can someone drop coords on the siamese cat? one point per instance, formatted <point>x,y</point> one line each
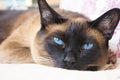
<point>59,38</point>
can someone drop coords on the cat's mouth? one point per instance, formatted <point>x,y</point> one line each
<point>88,68</point>
<point>92,68</point>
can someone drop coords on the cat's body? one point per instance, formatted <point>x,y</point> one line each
<point>69,41</point>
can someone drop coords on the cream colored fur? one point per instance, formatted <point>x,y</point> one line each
<point>16,48</point>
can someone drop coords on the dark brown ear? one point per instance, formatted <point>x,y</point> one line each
<point>107,22</point>
<point>48,15</point>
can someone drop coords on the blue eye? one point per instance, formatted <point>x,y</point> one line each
<point>88,46</point>
<point>58,41</point>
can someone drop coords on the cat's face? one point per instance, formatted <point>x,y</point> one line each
<point>78,46</point>
<point>74,43</point>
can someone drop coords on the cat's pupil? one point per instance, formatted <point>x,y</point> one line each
<point>88,46</point>
<point>58,41</point>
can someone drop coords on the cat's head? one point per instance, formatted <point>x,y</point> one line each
<point>73,43</point>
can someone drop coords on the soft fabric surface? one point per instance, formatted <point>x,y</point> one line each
<point>39,72</point>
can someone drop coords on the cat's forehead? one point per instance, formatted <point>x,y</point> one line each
<point>77,26</point>
<point>69,26</point>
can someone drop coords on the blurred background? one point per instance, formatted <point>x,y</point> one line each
<point>23,4</point>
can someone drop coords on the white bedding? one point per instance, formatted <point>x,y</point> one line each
<point>39,72</point>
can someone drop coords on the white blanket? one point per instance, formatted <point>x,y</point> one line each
<point>39,72</point>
